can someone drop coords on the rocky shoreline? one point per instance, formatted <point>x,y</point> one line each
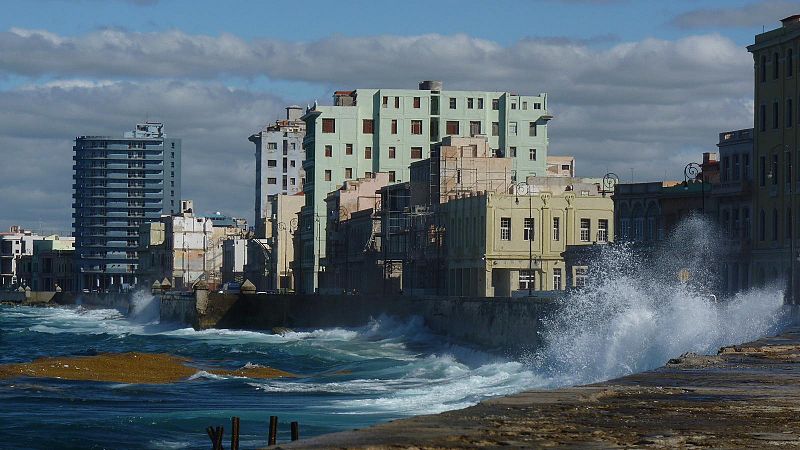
<point>745,396</point>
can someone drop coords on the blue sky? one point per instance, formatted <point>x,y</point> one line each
<point>636,87</point>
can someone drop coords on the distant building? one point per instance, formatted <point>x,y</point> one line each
<point>15,245</point>
<point>735,207</point>
<point>52,264</point>
<point>560,166</point>
<point>269,260</point>
<point>120,183</point>
<point>234,260</point>
<point>503,245</point>
<point>279,162</point>
<point>367,131</point>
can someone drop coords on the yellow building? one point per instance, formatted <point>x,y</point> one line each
<point>776,81</point>
<point>502,245</point>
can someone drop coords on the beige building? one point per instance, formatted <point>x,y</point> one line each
<point>269,260</point>
<point>560,166</point>
<point>775,53</point>
<point>502,245</point>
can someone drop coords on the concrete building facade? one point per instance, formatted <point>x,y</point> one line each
<point>15,245</point>
<point>279,163</point>
<point>503,245</point>
<point>119,184</point>
<point>384,130</point>
<point>775,139</point>
<point>53,264</point>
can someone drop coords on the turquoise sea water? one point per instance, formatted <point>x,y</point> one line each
<point>349,378</point>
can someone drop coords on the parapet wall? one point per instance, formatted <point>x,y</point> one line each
<point>508,325</point>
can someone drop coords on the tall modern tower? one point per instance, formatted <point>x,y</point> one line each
<point>120,182</point>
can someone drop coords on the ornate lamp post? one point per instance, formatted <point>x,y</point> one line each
<point>692,170</point>
<point>610,180</point>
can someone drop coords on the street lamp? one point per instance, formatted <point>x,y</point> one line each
<point>692,170</point>
<point>610,181</point>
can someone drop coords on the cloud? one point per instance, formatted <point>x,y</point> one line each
<point>764,12</point>
<point>652,104</point>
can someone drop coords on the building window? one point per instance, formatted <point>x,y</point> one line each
<point>452,127</point>
<point>745,166</point>
<point>367,126</point>
<point>496,104</point>
<point>348,149</point>
<point>532,129</point>
<point>470,103</point>
<point>368,175</point>
<point>474,127</point>
<point>763,68</point>
<point>762,225</point>
<point>328,126</point>
<point>293,181</point>
<point>526,278</point>
<point>328,151</point>
<point>397,102</point>
<point>385,102</point>
<point>580,277</point>
<point>789,111</point>
<point>556,228</point>
<point>532,154</point>
<point>394,126</point>
<point>392,153</point>
<point>775,118</point>
<point>586,230</point>
<point>416,127</point>
<point>293,163</point>
<point>417,102</point>
<point>480,103</point>
<point>736,169</point>
<point>392,176</point>
<point>789,63</point>
<point>512,128</point>
<point>274,145</point>
<point>746,222</point>
<point>348,173</point>
<point>775,66</point>
<point>495,128</point>
<point>367,152</point>
<point>524,106</point>
<point>272,163</point>
<point>557,279</point>
<point>726,169</point>
<point>416,152</point>
<point>513,105</point>
<point>762,118</point>
<point>327,175</point>
<point>602,230</point>
<point>452,103</point>
<point>272,181</point>
<point>762,175</point>
<point>505,228</point>
<point>528,231</point>
<point>512,152</point>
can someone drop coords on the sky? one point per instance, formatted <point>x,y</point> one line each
<point>639,88</point>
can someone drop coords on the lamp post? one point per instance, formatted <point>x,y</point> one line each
<point>283,227</point>
<point>343,212</point>
<point>692,170</point>
<point>610,181</point>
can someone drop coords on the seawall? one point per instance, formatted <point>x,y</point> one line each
<point>118,301</point>
<point>506,325</point>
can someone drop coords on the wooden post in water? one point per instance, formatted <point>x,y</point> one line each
<point>273,430</point>
<point>295,431</point>
<point>234,433</point>
<point>215,434</point>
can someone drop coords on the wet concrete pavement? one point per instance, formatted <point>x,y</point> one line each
<point>745,396</point>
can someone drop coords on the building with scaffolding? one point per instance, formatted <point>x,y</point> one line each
<point>385,130</point>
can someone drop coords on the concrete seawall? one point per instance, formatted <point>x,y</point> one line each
<point>506,325</point>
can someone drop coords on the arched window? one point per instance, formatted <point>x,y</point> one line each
<point>774,224</point>
<point>789,110</point>
<point>775,66</point>
<point>763,74</point>
<point>762,225</point>
<point>789,63</point>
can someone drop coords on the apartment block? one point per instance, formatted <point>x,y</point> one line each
<point>119,184</point>
<point>279,162</point>
<point>775,137</point>
<point>367,131</point>
<point>15,246</point>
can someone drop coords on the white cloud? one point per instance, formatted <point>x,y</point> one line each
<point>652,104</point>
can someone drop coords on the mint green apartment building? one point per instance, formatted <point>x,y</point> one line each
<point>384,130</point>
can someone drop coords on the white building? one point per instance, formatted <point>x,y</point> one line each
<point>14,245</point>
